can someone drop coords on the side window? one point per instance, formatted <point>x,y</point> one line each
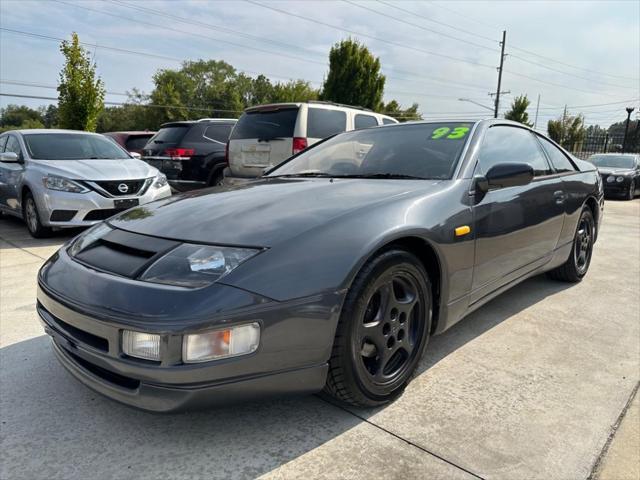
<point>136,143</point>
<point>13,145</point>
<point>512,144</point>
<point>387,121</point>
<point>322,123</point>
<point>364,121</point>
<point>558,159</point>
<point>3,141</point>
<point>219,133</point>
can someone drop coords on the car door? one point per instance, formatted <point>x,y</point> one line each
<point>11,174</point>
<point>516,228</point>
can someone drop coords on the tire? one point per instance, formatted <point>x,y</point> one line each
<point>217,178</point>
<point>632,190</point>
<point>31,217</point>
<point>382,332</point>
<point>577,265</point>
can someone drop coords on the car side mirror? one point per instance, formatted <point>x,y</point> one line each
<point>135,155</point>
<point>503,175</point>
<point>9,157</point>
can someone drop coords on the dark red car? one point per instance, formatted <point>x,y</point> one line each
<point>131,141</point>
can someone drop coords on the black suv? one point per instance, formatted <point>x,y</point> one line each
<point>191,153</point>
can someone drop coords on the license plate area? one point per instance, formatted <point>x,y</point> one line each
<point>256,155</point>
<point>126,203</point>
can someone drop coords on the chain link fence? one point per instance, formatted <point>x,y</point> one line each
<point>604,143</point>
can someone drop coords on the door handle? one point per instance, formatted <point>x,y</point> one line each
<point>559,196</point>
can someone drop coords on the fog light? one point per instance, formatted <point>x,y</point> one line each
<point>141,345</point>
<point>240,340</point>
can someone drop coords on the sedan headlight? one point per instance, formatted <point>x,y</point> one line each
<point>196,266</point>
<point>141,345</point>
<point>160,181</point>
<point>620,179</point>
<point>88,238</point>
<point>611,179</point>
<point>53,182</point>
<point>231,342</point>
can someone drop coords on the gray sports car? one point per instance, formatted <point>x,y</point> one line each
<point>330,272</point>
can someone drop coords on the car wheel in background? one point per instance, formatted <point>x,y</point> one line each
<point>577,265</point>
<point>382,332</point>
<point>31,217</point>
<point>217,178</point>
<point>632,190</point>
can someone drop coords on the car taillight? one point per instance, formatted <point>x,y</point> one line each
<point>226,153</point>
<point>180,152</point>
<point>299,144</point>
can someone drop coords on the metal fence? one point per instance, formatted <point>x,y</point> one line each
<point>604,144</point>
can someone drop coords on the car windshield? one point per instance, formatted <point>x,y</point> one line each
<point>72,146</point>
<point>613,161</point>
<point>421,150</point>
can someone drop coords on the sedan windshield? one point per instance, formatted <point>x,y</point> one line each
<point>72,146</point>
<point>420,150</point>
<point>613,161</point>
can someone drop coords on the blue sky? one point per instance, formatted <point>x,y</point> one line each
<point>432,52</point>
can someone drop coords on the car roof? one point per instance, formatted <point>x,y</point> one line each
<point>132,132</point>
<point>38,131</point>
<point>188,123</point>
<point>267,106</point>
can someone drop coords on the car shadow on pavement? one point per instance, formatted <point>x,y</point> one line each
<point>14,232</point>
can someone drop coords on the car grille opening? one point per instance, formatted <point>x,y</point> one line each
<point>102,214</point>
<point>107,375</point>
<point>121,188</point>
<point>62,215</point>
<point>75,333</point>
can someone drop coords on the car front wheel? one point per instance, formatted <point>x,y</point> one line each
<point>382,332</point>
<point>32,218</point>
<point>632,190</point>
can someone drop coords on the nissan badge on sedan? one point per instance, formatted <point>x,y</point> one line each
<point>329,273</point>
<point>64,178</point>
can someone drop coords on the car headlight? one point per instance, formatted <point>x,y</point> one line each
<point>160,181</point>
<point>53,182</point>
<point>611,179</point>
<point>215,344</point>
<point>196,266</point>
<point>88,238</point>
<point>620,179</point>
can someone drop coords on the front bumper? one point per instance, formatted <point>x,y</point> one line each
<point>295,345</point>
<point>90,208</point>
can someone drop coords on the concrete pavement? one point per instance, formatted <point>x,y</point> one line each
<point>531,386</point>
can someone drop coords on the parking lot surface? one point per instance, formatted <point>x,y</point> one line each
<point>533,385</point>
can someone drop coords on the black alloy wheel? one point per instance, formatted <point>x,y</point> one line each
<point>577,265</point>
<point>382,332</point>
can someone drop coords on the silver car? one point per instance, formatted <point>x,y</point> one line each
<point>66,178</point>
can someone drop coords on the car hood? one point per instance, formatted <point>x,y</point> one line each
<point>121,169</point>
<point>261,213</point>
<point>617,171</point>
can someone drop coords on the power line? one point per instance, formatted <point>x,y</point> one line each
<point>558,84</point>
<point>372,37</point>
<point>386,15</point>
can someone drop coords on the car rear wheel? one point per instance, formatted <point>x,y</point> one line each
<point>217,178</point>
<point>382,332</point>
<point>577,265</point>
<point>32,218</point>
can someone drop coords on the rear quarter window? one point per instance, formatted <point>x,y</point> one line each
<point>388,121</point>
<point>137,142</point>
<point>322,123</point>
<point>364,121</point>
<point>218,133</point>
<point>266,124</point>
<point>172,134</point>
<point>558,159</point>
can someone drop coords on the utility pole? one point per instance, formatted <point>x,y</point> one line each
<point>535,122</point>
<point>504,39</point>
<point>626,128</point>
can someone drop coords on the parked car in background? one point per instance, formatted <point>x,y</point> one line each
<point>267,135</point>
<point>620,173</point>
<point>132,142</point>
<point>330,272</point>
<point>66,178</point>
<point>190,153</point>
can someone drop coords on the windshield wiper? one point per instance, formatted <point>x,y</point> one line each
<point>158,141</point>
<point>383,175</point>
<point>302,174</point>
<point>268,139</point>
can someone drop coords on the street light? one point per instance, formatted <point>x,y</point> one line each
<point>626,128</point>
<point>476,103</point>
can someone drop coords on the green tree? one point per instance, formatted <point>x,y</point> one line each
<point>14,117</point>
<point>354,76</point>
<point>80,91</point>
<point>393,109</point>
<point>568,131</point>
<point>518,112</point>
<point>50,116</point>
<point>293,91</point>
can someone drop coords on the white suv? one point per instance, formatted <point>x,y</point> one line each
<point>267,135</point>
